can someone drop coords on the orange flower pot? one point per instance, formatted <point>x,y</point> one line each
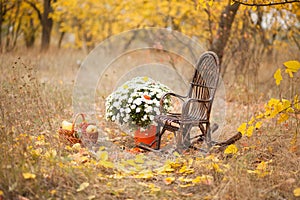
<point>146,136</point>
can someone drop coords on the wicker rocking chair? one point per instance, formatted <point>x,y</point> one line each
<point>196,107</point>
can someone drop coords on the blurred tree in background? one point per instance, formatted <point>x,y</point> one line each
<point>244,29</point>
<point>25,19</point>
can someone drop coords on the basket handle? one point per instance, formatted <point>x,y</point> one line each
<point>75,119</point>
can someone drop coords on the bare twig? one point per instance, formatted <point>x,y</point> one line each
<point>266,4</point>
<point>32,4</point>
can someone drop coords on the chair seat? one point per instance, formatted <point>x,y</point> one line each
<point>176,118</point>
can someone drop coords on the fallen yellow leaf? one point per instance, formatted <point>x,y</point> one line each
<point>83,186</point>
<point>53,192</point>
<point>154,188</point>
<point>186,180</point>
<point>278,77</point>
<point>186,170</point>
<point>76,147</point>
<point>291,67</point>
<point>91,197</point>
<point>169,180</point>
<point>251,171</point>
<point>146,174</point>
<point>29,175</point>
<point>261,169</point>
<point>205,179</point>
<point>216,167</point>
<point>242,128</point>
<point>186,185</point>
<point>258,125</point>
<point>231,149</point>
<point>249,131</point>
<point>139,159</point>
<point>297,192</point>
<point>102,155</point>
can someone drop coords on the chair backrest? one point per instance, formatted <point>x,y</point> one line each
<point>204,84</point>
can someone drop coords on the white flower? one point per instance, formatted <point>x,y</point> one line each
<point>136,102</point>
<point>159,95</point>
<point>148,109</point>
<point>133,106</point>
<point>116,104</point>
<point>156,110</point>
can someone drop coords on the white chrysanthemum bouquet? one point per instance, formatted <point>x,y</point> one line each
<point>136,102</point>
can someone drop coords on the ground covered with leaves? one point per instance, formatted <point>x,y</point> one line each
<point>35,164</point>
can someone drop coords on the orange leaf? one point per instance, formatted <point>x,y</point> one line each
<point>169,180</point>
<point>147,97</point>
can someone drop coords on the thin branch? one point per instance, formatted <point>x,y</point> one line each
<point>210,39</point>
<point>7,9</point>
<point>36,9</point>
<point>266,4</point>
<point>296,42</point>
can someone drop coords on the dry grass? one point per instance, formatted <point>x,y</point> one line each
<point>36,91</point>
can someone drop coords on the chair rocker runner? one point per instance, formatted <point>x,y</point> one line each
<point>196,107</point>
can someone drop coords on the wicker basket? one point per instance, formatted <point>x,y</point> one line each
<point>71,136</point>
<point>78,133</point>
<point>89,137</point>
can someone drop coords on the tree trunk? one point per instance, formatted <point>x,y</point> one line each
<point>3,10</point>
<point>62,34</point>
<point>47,24</point>
<point>223,33</point>
<point>1,19</point>
<point>29,35</point>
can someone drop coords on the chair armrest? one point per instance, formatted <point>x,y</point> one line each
<point>162,99</point>
<point>190,100</point>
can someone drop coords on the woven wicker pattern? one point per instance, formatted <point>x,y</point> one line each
<point>68,137</point>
